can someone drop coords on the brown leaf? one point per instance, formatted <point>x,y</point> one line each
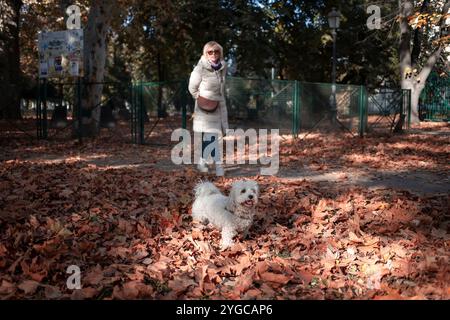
<point>121,252</point>
<point>392,296</point>
<point>252,294</point>
<point>3,250</point>
<point>181,284</point>
<point>275,277</point>
<point>7,288</point>
<point>261,267</point>
<point>354,238</point>
<point>200,275</point>
<point>305,276</point>
<point>29,286</point>
<point>52,292</point>
<point>36,276</point>
<point>94,277</point>
<point>131,290</point>
<point>159,268</point>
<point>84,293</point>
<point>243,264</point>
<point>245,281</point>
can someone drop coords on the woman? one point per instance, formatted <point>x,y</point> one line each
<point>207,86</point>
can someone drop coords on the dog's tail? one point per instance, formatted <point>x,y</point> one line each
<point>204,189</point>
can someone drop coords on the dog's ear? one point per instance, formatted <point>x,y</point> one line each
<point>256,186</point>
<point>231,204</point>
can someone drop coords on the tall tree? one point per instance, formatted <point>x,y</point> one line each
<point>10,76</point>
<point>415,63</point>
<point>95,49</point>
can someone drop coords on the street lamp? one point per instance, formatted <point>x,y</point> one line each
<point>334,18</point>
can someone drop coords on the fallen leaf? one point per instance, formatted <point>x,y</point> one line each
<point>94,277</point>
<point>29,286</point>
<point>275,277</point>
<point>84,293</point>
<point>181,284</point>
<point>52,292</point>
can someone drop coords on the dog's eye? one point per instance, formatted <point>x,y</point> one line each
<point>243,191</point>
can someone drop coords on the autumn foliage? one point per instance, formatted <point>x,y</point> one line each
<point>122,216</point>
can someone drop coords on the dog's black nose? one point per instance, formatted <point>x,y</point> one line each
<point>250,196</point>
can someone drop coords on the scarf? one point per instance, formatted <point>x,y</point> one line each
<point>216,66</point>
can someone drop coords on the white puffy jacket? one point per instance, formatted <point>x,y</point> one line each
<point>208,83</point>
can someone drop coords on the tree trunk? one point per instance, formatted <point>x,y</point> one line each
<point>94,67</point>
<point>415,95</point>
<point>10,76</point>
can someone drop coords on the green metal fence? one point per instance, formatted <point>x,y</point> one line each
<point>434,103</point>
<point>58,109</point>
<point>292,107</point>
<point>154,109</point>
<point>386,110</point>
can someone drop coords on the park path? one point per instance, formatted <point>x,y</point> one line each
<point>420,182</point>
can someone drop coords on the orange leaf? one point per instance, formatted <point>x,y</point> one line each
<point>354,238</point>
<point>180,285</point>
<point>245,281</point>
<point>275,277</point>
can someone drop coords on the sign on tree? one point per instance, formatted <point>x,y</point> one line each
<point>61,54</point>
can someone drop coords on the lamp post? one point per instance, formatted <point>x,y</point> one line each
<point>334,22</point>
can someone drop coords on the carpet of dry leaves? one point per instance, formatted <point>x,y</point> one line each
<point>108,208</point>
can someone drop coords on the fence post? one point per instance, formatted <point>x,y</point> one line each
<point>79,116</point>
<point>362,111</point>
<point>296,113</point>
<point>409,108</point>
<point>133,113</point>
<point>38,112</point>
<point>141,113</point>
<point>44,112</point>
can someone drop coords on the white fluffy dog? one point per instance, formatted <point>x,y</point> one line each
<point>231,214</point>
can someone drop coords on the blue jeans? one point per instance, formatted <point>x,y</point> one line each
<point>211,137</point>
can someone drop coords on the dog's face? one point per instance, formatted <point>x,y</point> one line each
<point>245,193</point>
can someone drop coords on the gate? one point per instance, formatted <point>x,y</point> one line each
<point>388,110</point>
<point>434,103</point>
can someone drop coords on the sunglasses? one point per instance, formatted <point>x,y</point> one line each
<point>211,52</point>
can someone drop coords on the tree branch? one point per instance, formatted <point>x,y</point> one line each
<point>433,59</point>
<point>415,53</point>
<point>426,70</point>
